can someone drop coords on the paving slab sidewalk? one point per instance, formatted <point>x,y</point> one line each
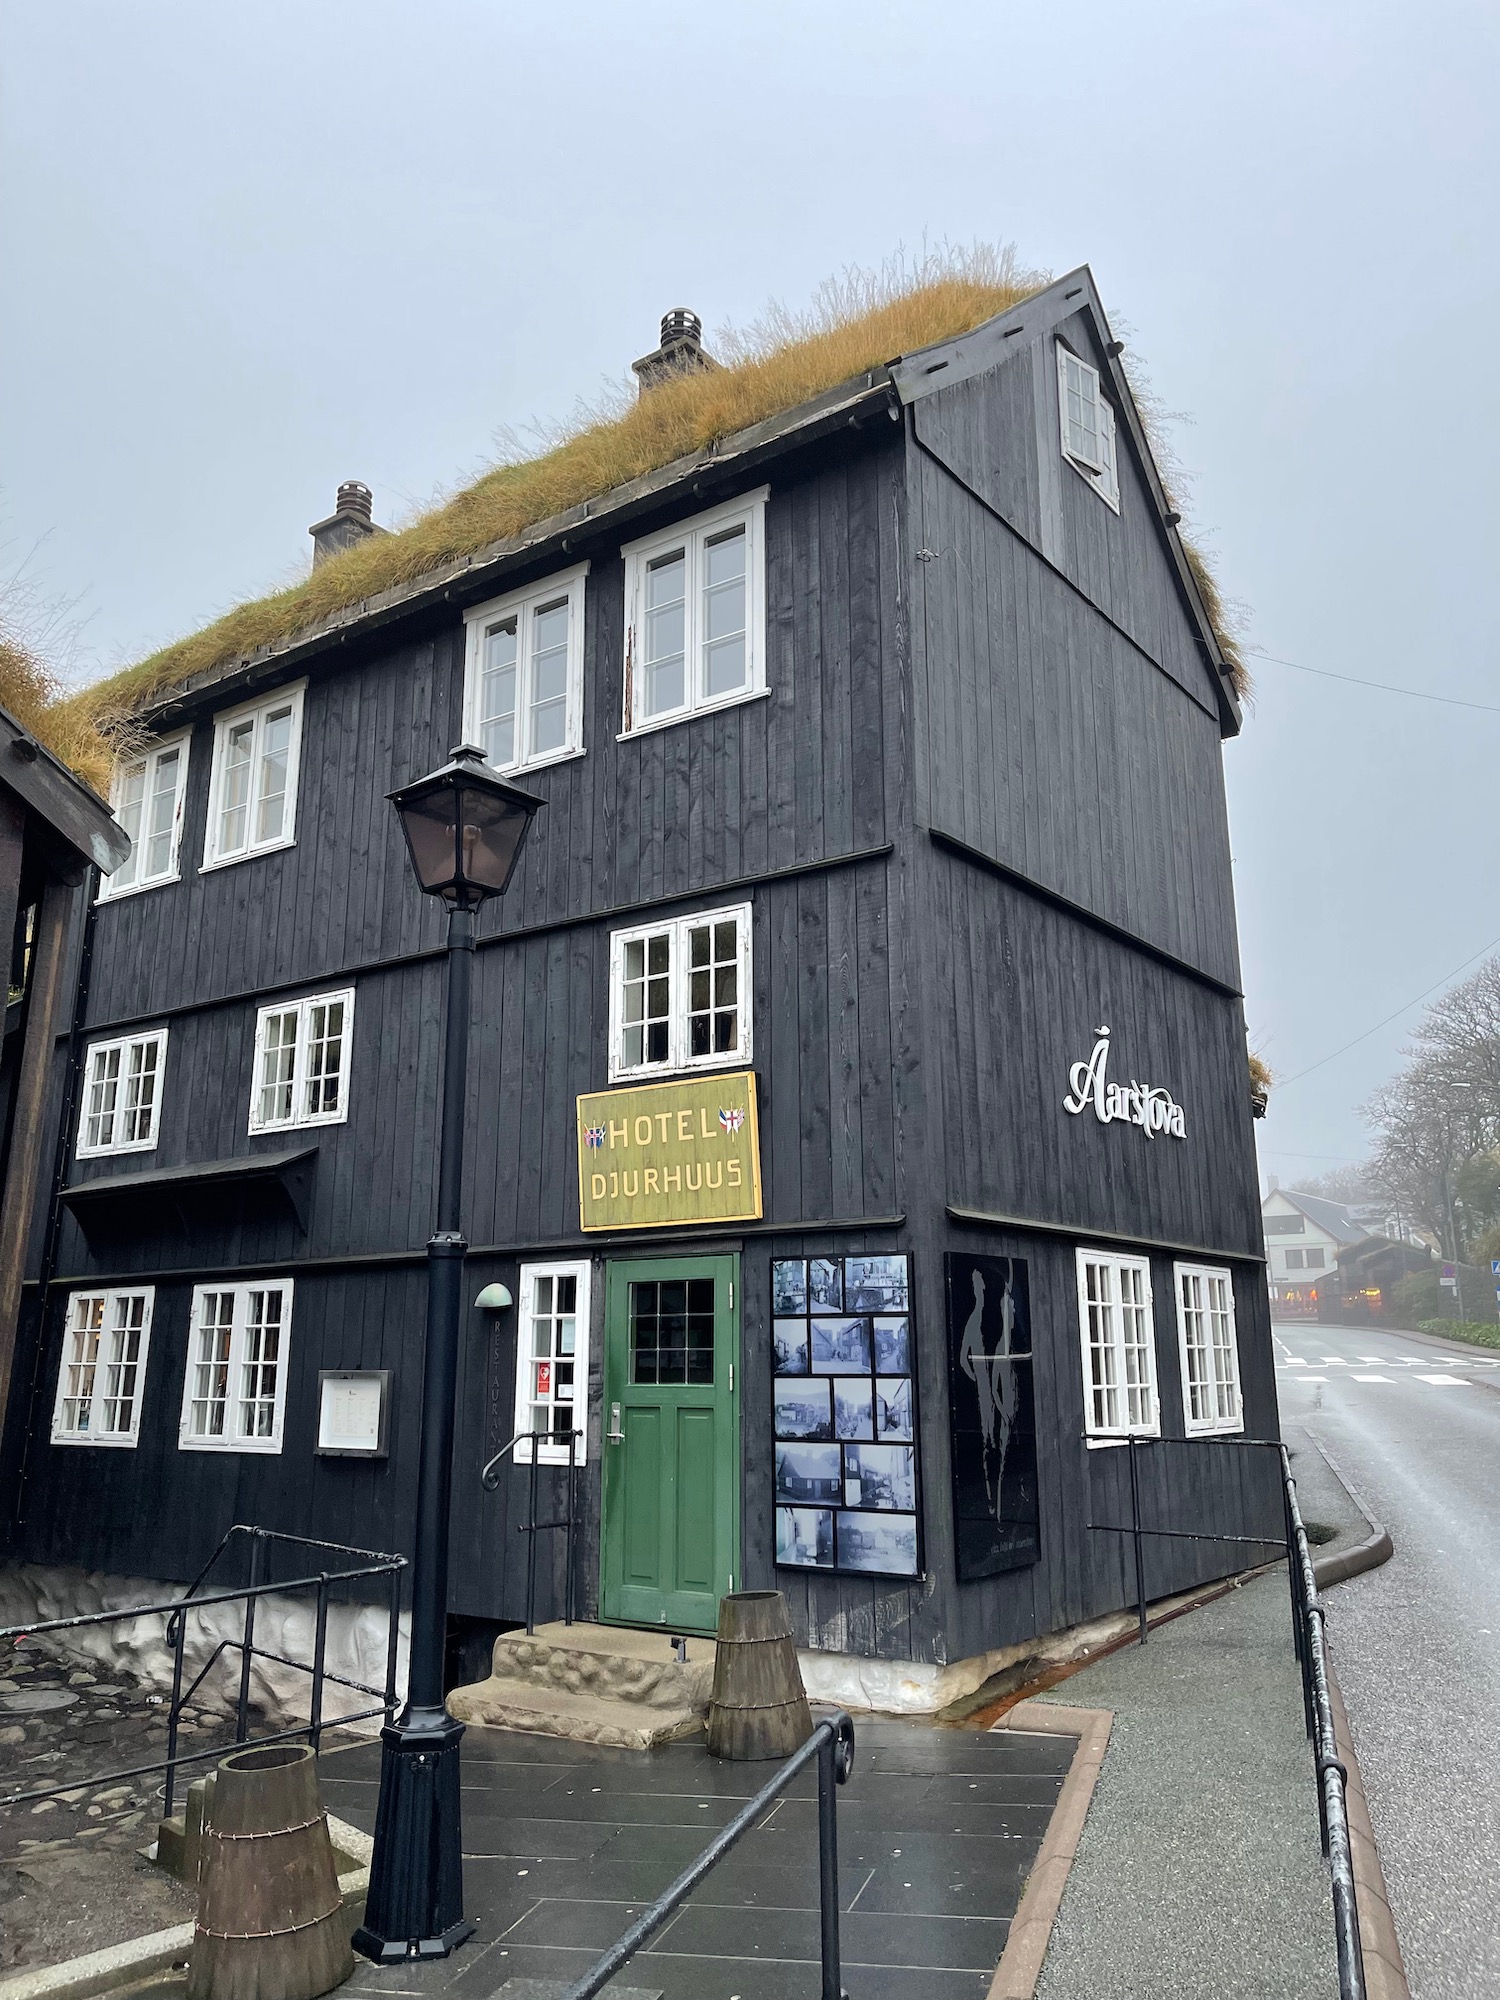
<point>1199,1870</point>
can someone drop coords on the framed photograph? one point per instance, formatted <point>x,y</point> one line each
<point>880,1475</point>
<point>853,1407</point>
<point>804,1537</point>
<point>996,1505</point>
<point>352,1410</point>
<point>804,1408</point>
<point>789,1285</point>
<point>789,1346</point>
<point>825,1285</point>
<point>893,1346</point>
<point>882,1544</point>
<point>892,1411</point>
<point>808,1474</point>
<point>875,1284</point>
<point>841,1347</point>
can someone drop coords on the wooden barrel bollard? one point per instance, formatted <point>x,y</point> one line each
<point>271,1923</point>
<point>759,1706</point>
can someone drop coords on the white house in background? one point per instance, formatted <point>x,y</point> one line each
<point>1304,1236</point>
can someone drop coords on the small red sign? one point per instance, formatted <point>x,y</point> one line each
<point>544,1378</point>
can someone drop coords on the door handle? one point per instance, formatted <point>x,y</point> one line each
<point>616,1435</point>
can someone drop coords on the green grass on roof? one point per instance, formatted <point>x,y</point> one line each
<point>855,323</point>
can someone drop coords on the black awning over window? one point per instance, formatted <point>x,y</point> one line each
<point>263,1187</point>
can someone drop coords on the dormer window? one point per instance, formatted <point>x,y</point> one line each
<point>252,799</point>
<point>1088,426</point>
<point>523,673</point>
<point>695,615</point>
<point>147,797</point>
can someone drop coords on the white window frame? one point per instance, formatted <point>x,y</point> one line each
<point>100,1365</point>
<point>552,1454</point>
<point>1221,1384</point>
<point>215,856</point>
<point>234,1366</point>
<point>680,993</point>
<point>112,886</point>
<point>125,1044</point>
<point>302,1008</point>
<point>523,605</point>
<point>748,509</point>
<point>1102,469</point>
<point>1101,1431</point>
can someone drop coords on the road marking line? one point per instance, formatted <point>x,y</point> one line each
<point>1373,1378</point>
<point>1333,1361</point>
<point>1444,1381</point>
<point>1309,1378</point>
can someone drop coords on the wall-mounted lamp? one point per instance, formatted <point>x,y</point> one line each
<point>494,1298</point>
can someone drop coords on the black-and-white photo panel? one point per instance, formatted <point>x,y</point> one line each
<point>789,1285</point>
<point>825,1285</point>
<point>996,1513</point>
<point>804,1537</point>
<point>882,1544</point>
<point>804,1407</point>
<point>844,1408</point>
<point>789,1346</point>
<point>808,1474</point>
<point>841,1346</point>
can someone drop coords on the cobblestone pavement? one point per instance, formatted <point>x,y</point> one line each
<point>71,1876</point>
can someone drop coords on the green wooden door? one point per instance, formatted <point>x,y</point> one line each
<point>671,1450</point>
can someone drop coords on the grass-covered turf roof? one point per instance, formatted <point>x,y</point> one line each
<point>855,323</point>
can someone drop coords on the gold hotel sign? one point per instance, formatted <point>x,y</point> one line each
<point>669,1153</point>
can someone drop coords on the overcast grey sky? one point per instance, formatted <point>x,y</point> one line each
<point>250,251</point>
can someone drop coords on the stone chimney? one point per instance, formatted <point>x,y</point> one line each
<point>350,522</point>
<point>681,351</point>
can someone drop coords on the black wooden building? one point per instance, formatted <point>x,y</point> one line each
<point>881,752</point>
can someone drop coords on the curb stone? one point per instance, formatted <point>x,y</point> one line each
<point>1030,1931</point>
<point>1385,1972</point>
<point>1375,1549</point>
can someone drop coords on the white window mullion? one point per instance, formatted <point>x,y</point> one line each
<point>252,803</point>
<point>695,615</point>
<point>523,673</point>
<point>301,1062</point>
<point>1118,1343</point>
<point>122,1096</point>
<point>101,1375</point>
<point>147,798</point>
<point>1209,1350</point>
<point>234,1387</point>
<point>552,1360</point>
<point>680,994</point>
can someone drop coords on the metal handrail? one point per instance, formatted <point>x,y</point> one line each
<point>832,1744</point>
<point>489,1479</point>
<point>173,1611</point>
<point>1310,1642</point>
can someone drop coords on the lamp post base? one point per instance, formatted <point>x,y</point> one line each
<point>414,1908</point>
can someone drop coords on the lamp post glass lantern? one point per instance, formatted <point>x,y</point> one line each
<point>464,828</point>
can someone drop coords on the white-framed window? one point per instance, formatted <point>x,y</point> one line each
<point>523,673</point>
<point>1295,1259</point>
<point>122,1082</point>
<point>1089,432</point>
<point>679,994</point>
<point>1314,1260</point>
<point>302,1062</point>
<point>1210,1351</point>
<point>695,614</point>
<point>147,796</point>
<point>252,793</point>
<point>234,1392</point>
<point>552,1359</point>
<point>103,1373</point>
<point>1119,1346</point>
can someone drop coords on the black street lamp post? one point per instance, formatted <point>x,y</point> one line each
<point>464,828</point>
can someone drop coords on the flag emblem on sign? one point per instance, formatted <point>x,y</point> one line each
<point>732,1120</point>
<point>593,1136</point>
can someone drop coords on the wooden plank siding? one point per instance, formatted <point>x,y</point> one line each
<point>955,643</point>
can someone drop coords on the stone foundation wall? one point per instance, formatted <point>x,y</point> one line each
<point>31,1594</point>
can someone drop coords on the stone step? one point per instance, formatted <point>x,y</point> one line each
<point>609,1662</point>
<point>620,1723</point>
<point>594,1684</point>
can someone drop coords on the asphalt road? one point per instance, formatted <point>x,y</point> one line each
<point>1414,1426</point>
